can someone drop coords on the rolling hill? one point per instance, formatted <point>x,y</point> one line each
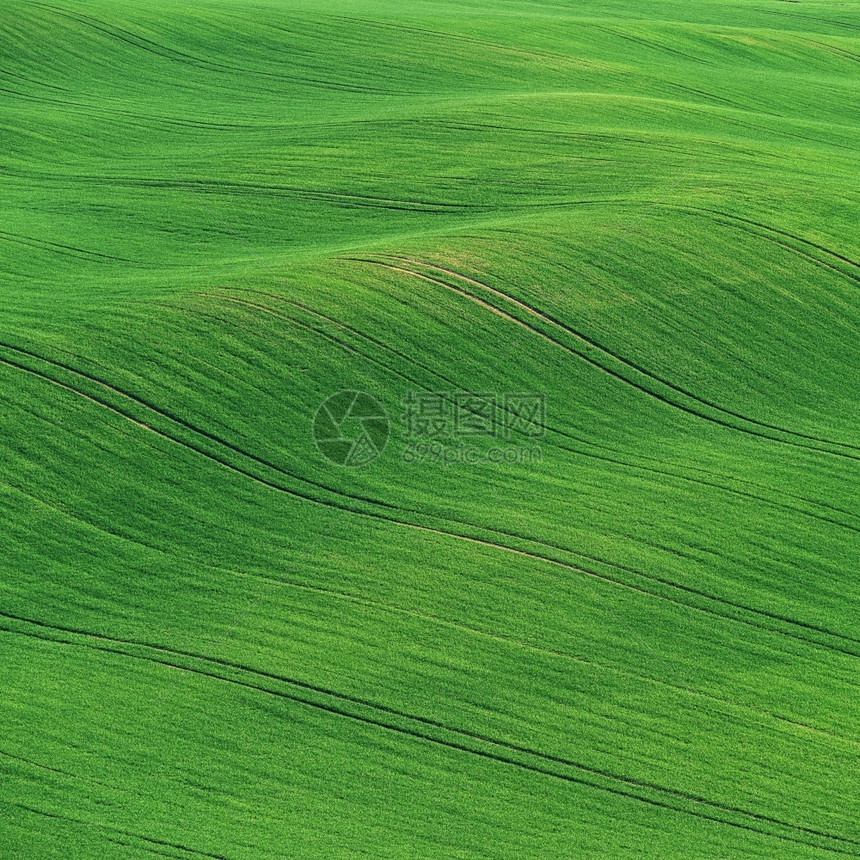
<point>429,430</point>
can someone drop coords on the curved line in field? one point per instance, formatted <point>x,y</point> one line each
<point>345,700</point>
<point>179,421</point>
<point>136,41</point>
<point>388,518</point>
<point>201,186</point>
<point>58,248</point>
<point>662,398</point>
<point>563,433</point>
<point>444,36</point>
<point>431,619</point>
<point>127,833</point>
<point>33,81</point>
<point>631,364</point>
<point>731,217</point>
<point>67,773</point>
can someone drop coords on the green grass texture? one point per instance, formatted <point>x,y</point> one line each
<point>223,638</point>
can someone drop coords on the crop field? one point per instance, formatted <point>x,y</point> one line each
<point>429,429</point>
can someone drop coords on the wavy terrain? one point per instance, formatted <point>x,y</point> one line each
<point>628,630</point>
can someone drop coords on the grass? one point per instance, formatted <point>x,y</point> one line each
<point>215,642</point>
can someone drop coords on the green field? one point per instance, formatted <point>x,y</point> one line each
<point>635,633</point>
